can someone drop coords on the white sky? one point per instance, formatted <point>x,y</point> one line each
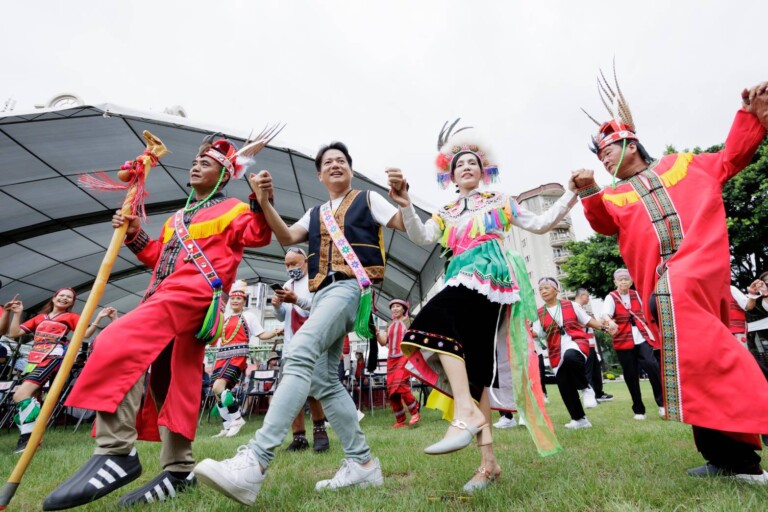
<point>384,76</point>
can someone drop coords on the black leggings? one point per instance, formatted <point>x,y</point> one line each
<point>570,379</point>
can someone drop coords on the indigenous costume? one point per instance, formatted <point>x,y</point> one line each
<point>562,325</point>
<point>195,257</point>
<point>479,316</point>
<point>737,315</point>
<point>398,379</point>
<point>48,347</point>
<point>593,370</point>
<point>633,343</point>
<point>671,228</point>
<point>232,360</point>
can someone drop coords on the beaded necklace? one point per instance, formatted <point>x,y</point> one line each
<point>187,209</point>
<point>237,329</point>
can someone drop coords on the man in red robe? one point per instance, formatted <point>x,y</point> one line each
<point>162,333</point>
<point>670,221</point>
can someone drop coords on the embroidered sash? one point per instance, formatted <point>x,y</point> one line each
<point>344,247</point>
<point>212,325</point>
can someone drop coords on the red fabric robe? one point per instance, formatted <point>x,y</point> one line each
<point>708,380</point>
<point>175,311</point>
<point>398,379</point>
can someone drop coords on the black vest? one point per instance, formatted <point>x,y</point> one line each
<point>355,219</point>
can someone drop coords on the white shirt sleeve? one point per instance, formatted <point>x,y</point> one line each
<point>382,210</point>
<point>534,223</point>
<point>609,307</point>
<point>537,330</point>
<point>304,221</point>
<point>739,297</point>
<point>419,232</point>
<point>280,311</point>
<point>254,326</point>
<point>581,315</point>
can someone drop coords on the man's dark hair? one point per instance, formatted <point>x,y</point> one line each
<point>582,290</point>
<point>340,146</point>
<point>764,276</point>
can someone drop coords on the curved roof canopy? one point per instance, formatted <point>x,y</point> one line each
<point>53,234</point>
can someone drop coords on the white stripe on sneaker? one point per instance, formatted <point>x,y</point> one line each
<point>106,476</point>
<point>148,496</point>
<point>117,469</point>
<point>171,490</point>
<point>159,492</point>
<point>96,483</point>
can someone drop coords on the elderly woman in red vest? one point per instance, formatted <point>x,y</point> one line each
<point>562,325</point>
<point>634,341</point>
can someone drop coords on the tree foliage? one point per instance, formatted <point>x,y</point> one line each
<point>592,264</point>
<point>746,207</point>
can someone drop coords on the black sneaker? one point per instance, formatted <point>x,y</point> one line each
<point>22,444</point>
<point>605,397</point>
<point>320,442</point>
<point>163,487</point>
<point>299,443</point>
<point>98,477</point>
<point>707,470</point>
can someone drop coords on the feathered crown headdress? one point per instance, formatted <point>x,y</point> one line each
<point>451,145</point>
<point>621,126</point>
<point>234,161</point>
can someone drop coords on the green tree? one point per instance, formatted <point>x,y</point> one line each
<point>592,263</point>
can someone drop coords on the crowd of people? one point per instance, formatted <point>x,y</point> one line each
<point>473,342</point>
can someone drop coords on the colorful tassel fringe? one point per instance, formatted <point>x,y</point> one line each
<point>214,320</point>
<point>362,320</point>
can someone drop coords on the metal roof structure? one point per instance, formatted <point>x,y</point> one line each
<point>53,234</point>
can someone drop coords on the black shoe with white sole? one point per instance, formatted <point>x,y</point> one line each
<point>163,487</point>
<point>98,477</point>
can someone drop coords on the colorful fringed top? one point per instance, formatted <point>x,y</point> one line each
<point>473,228</point>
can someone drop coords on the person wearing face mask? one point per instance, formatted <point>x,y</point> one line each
<point>51,329</point>
<point>470,340</point>
<point>292,305</point>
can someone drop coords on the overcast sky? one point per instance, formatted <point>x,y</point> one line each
<point>384,76</point>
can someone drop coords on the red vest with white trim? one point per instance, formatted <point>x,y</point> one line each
<point>572,327</point>
<point>737,318</point>
<point>623,339</point>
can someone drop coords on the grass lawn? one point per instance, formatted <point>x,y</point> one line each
<point>618,465</point>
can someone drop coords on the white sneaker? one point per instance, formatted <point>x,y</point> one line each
<point>588,397</point>
<point>221,433</point>
<point>662,412</point>
<point>576,424</point>
<point>352,473</point>
<point>238,478</point>
<point>752,479</point>
<point>235,427</point>
<point>639,417</point>
<point>505,422</point>
<point>520,421</point>
<point>360,416</point>
<point>546,399</point>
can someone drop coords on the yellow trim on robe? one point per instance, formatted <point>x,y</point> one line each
<point>206,228</point>
<point>670,178</point>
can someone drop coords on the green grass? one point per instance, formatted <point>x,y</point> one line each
<point>618,465</point>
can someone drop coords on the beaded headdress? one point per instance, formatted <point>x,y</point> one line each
<point>239,289</point>
<point>621,126</point>
<point>406,305</point>
<point>451,145</point>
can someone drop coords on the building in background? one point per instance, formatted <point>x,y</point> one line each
<point>543,254</point>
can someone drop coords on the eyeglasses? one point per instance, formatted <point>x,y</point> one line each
<point>297,250</point>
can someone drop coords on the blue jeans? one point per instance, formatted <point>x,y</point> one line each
<point>311,370</point>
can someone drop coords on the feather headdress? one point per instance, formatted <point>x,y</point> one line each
<point>452,144</point>
<point>621,126</point>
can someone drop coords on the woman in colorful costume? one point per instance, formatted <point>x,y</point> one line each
<point>232,358</point>
<point>195,258</point>
<point>51,329</point>
<point>472,334</point>
<point>398,379</point>
<point>670,221</point>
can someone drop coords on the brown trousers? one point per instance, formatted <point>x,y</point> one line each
<point>116,433</point>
